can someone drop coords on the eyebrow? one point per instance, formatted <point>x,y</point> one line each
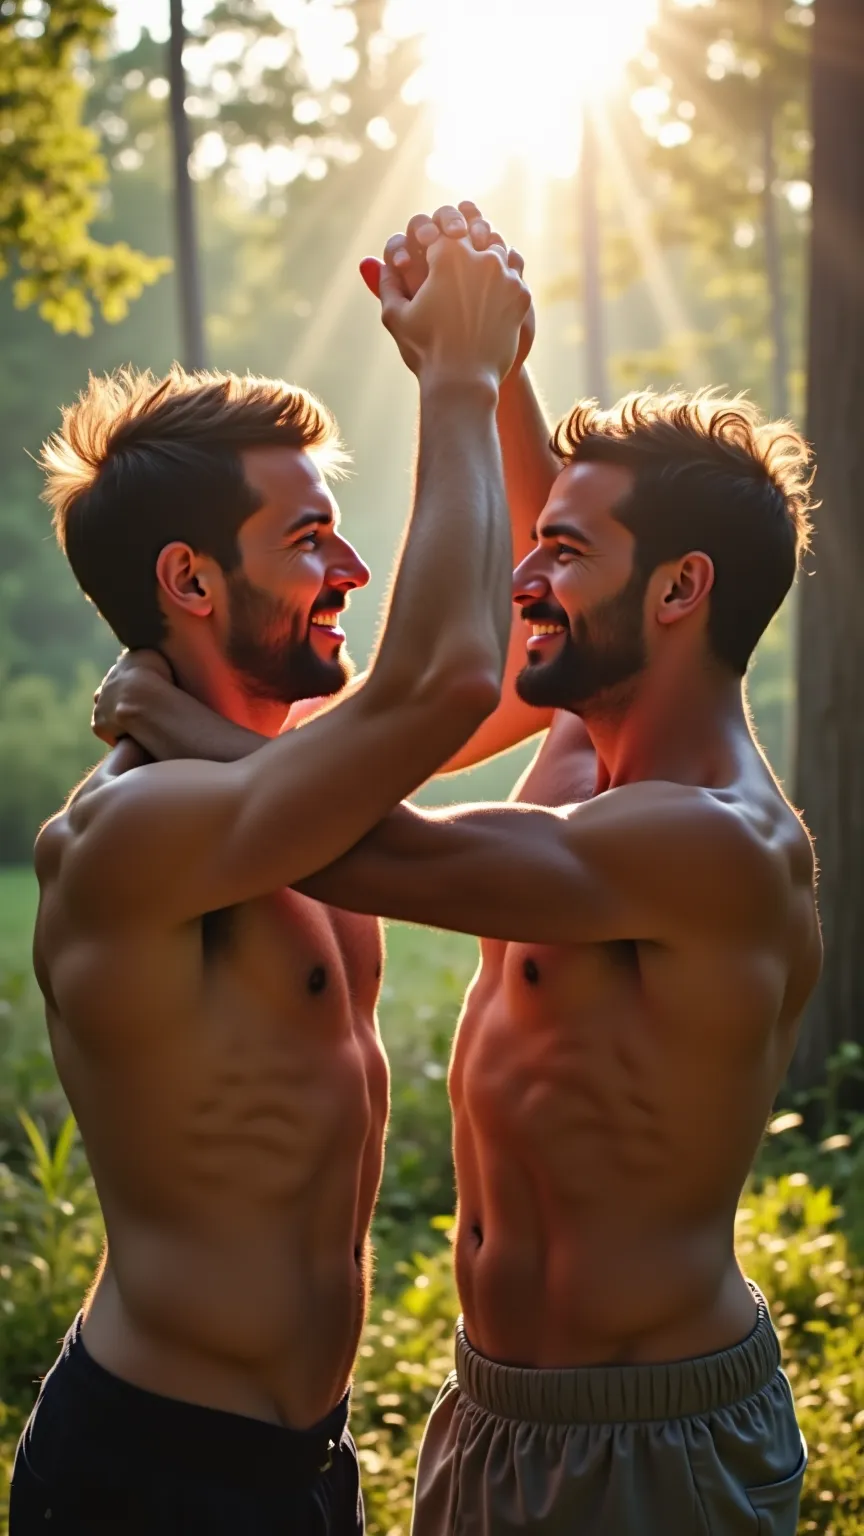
<point>313,520</point>
<point>563,531</point>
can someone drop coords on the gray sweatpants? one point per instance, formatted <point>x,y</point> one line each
<point>704,1447</point>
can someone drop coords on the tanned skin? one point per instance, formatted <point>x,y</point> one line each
<point>215,1031</point>
<point>650,939</point>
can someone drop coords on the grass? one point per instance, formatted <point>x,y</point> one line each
<point>18,897</point>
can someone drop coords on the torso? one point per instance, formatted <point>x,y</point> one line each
<point>608,1101</point>
<point>232,1092</point>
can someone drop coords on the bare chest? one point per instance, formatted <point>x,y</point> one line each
<point>290,952</point>
<point>552,1040</point>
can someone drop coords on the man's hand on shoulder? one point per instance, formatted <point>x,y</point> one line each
<point>122,688</point>
<point>139,699</point>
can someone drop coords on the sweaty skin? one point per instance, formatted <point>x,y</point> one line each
<point>215,1030</point>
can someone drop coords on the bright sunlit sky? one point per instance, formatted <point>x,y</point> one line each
<point>504,80</point>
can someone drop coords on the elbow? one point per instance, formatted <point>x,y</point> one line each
<point>467,693</point>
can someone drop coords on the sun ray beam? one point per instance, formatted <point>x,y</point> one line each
<point>635,211</point>
<point>390,201</point>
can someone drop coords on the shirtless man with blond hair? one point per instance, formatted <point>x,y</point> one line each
<point>649,941</point>
<point>214,1030</point>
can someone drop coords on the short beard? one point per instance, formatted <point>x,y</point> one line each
<point>604,650</point>
<point>274,663</point>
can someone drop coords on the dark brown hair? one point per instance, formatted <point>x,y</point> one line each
<point>710,474</point>
<point>139,462</point>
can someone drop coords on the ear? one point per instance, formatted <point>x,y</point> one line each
<point>685,586</point>
<point>186,579</point>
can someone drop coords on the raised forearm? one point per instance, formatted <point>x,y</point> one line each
<point>169,724</point>
<point>450,603</point>
<point>530,466</point>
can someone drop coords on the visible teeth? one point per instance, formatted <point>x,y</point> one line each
<point>547,629</point>
<point>326,620</point>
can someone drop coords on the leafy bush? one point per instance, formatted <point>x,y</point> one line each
<point>45,747</point>
<point>51,1230</point>
<point>790,1245</point>
<point>836,1157</point>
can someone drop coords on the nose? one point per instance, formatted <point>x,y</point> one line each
<point>348,571</point>
<point>529,584</point>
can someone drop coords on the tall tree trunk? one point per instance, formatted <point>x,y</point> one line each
<point>830,746</point>
<point>771,233</point>
<point>592,283</point>
<point>186,258</point>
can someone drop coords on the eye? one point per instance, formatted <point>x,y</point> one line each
<point>308,541</point>
<point>566,552</point>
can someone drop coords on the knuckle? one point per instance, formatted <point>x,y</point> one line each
<point>394,244</point>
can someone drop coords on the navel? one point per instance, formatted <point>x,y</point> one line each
<point>317,979</point>
<point>531,973</point>
<point>378,971</point>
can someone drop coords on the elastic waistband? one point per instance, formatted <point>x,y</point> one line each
<point>615,1394</point>
<point>114,1420</point>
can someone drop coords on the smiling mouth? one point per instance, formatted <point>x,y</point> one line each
<point>546,629</point>
<point>327,620</point>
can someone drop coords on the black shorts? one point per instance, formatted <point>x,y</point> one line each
<point>99,1457</point>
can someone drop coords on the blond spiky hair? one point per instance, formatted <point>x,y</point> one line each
<point>711,474</point>
<point>140,461</point>
<point>124,409</point>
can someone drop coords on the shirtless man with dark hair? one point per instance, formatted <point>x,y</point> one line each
<point>649,942</point>
<point>214,1030</point>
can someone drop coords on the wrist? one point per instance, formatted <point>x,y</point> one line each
<point>441,382</point>
<point>141,692</point>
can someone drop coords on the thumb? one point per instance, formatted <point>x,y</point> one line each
<point>370,271</point>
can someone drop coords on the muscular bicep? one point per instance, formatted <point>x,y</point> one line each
<point>178,839</point>
<point>648,863</point>
<point>504,872</point>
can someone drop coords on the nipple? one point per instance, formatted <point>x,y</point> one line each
<point>317,979</point>
<point>531,973</point>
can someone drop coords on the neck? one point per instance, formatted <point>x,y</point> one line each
<point>223,691</point>
<point>683,726</point>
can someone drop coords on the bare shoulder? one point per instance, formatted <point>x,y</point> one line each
<point>695,855</point>
<point>71,848</point>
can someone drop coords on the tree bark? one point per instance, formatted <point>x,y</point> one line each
<point>773,246</point>
<point>830,734</point>
<point>188,273</point>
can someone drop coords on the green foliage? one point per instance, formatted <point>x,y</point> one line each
<point>52,1234</point>
<point>50,170</point>
<point>45,747</point>
<point>790,1245</point>
<point>406,1353</point>
<point>722,96</point>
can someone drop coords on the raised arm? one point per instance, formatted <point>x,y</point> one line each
<point>530,466</point>
<point>198,836</point>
